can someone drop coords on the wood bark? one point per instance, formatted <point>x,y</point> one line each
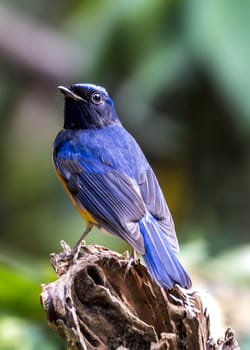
<point>101,301</point>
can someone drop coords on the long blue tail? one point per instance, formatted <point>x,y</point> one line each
<point>161,261</point>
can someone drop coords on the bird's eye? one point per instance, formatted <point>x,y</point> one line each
<point>96,98</point>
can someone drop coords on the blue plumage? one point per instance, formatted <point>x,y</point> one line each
<point>108,176</point>
<point>160,259</point>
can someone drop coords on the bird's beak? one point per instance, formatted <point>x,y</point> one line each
<point>68,93</point>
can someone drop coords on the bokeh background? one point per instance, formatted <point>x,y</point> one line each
<point>179,73</point>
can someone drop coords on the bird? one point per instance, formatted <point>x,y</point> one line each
<point>112,185</point>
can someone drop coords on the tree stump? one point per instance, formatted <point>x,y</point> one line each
<point>97,302</point>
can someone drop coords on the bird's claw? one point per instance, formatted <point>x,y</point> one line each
<point>131,260</point>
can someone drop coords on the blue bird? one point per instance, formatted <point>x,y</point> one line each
<point>110,182</point>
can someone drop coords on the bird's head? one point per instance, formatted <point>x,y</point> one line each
<point>88,106</point>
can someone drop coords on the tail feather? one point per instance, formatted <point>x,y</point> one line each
<point>159,257</point>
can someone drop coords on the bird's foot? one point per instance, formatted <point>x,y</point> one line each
<point>75,251</point>
<point>68,256</point>
<point>131,260</point>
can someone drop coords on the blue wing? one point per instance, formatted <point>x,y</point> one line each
<point>110,196</point>
<point>157,206</point>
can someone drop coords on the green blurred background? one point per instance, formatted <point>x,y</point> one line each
<point>179,73</point>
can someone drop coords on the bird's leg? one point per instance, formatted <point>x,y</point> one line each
<point>76,249</point>
<point>131,259</point>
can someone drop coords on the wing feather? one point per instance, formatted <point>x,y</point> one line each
<point>157,206</point>
<point>110,197</point>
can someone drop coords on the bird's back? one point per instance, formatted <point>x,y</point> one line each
<point>108,148</point>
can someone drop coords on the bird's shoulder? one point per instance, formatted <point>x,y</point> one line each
<point>112,146</point>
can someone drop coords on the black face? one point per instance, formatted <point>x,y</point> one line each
<point>88,106</point>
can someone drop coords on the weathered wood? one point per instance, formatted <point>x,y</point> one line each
<point>97,303</point>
